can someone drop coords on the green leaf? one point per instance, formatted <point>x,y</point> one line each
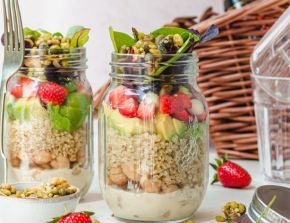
<point>213,166</point>
<point>57,34</point>
<point>171,31</point>
<point>84,37</point>
<point>80,38</point>
<point>73,30</point>
<point>29,32</point>
<point>120,39</point>
<point>74,115</point>
<point>58,121</point>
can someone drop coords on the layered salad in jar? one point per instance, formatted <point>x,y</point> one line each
<point>47,110</point>
<point>155,128</point>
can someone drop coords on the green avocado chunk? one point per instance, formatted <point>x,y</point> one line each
<point>180,127</point>
<point>164,126</point>
<point>124,125</point>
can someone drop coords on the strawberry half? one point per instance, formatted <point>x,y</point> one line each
<point>165,104</point>
<point>230,174</point>
<point>118,95</point>
<point>24,87</point>
<point>78,217</point>
<point>183,116</point>
<point>50,92</point>
<point>129,107</point>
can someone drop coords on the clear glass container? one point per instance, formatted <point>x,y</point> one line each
<point>153,139</point>
<point>271,82</point>
<point>48,119</point>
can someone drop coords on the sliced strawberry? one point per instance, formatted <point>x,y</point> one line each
<point>25,87</point>
<point>202,117</point>
<point>129,107</point>
<point>119,95</point>
<point>184,99</point>
<point>146,111</point>
<point>165,104</point>
<point>183,116</point>
<point>17,91</point>
<point>52,92</point>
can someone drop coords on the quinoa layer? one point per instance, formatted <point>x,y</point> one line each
<point>147,159</point>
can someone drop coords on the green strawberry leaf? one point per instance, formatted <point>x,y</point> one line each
<point>120,39</point>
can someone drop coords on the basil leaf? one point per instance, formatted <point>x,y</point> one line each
<point>120,39</point>
<point>84,37</point>
<point>171,31</point>
<point>188,43</point>
<point>80,38</point>
<point>73,30</point>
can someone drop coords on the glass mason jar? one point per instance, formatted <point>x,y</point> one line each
<point>153,139</point>
<point>48,119</point>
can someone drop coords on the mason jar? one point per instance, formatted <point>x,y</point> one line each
<point>153,138</point>
<point>48,119</point>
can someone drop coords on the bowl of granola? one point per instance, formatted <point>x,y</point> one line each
<point>35,203</point>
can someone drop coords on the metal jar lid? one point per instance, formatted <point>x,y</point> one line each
<point>278,213</point>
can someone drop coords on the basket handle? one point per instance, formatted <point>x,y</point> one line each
<point>98,96</point>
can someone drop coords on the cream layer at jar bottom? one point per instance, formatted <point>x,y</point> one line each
<point>78,177</point>
<point>176,205</point>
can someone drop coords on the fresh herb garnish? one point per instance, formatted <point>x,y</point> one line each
<point>120,39</point>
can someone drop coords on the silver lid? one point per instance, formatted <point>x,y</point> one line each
<point>280,210</point>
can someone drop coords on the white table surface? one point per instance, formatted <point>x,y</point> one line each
<point>215,197</point>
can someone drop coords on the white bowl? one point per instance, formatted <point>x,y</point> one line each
<point>15,210</point>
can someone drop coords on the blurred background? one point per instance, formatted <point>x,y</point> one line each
<point>58,15</point>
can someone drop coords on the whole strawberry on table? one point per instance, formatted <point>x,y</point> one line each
<point>230,174</point>
<point>77,217</point>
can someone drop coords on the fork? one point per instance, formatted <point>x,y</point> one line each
<point>13,58</point>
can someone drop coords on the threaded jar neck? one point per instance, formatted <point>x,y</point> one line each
<point>55,60</point>
<point>165,67</point>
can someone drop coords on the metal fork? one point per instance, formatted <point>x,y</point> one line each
<point>13,58</point>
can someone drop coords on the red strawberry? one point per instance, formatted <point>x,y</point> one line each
<point>17,91</point>
<point>129,107</point>
<point>119,95</point>
<point>146,111</point>
<point>52,92</point>
<point>202,117</point>
<point>230,174</point>
<point>25,87</point>
<point>183,116</point>
<point>80,217</point>
<point>184,100</point>
<point>165,104</point>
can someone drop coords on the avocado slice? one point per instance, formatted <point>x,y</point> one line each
<point>164,126</point>
<point>124,125</point>
<point>180,127</point>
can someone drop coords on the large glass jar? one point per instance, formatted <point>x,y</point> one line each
<point>153,139</point>
<point>48,119</point>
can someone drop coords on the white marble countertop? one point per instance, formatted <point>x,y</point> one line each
<point>215,197</point>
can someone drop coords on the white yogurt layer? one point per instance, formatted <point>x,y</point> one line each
<point>141,206</point>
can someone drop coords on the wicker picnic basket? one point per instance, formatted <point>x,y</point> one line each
<point>225,73</point>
